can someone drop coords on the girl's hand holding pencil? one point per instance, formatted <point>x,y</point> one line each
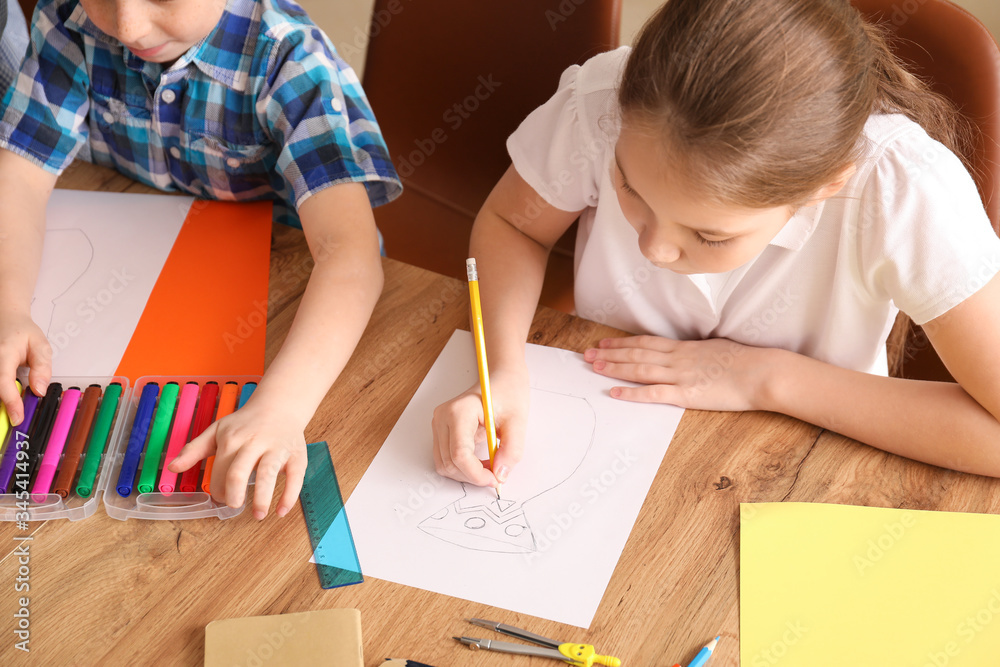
<point>458,426</point>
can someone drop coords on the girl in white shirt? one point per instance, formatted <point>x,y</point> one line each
<point>761,188</point>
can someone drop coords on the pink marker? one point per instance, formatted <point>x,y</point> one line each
<point>178,435</point>
<point>57,440</point>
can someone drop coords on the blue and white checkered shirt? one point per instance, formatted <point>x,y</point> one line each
<point>262,108</point>
<point>13,44</point>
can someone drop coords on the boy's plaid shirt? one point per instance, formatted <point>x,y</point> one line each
<point>262,108</point>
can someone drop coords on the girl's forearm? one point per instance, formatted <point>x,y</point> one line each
<point>333,313</point>
<point>511,272</point>
<point>933,422</point>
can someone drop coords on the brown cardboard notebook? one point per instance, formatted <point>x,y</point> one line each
<point>327,637</point>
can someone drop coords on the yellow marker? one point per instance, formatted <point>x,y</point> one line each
<point>484,371</point>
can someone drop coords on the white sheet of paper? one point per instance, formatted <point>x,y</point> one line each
<point>550,546</point>
<point>102,256</point>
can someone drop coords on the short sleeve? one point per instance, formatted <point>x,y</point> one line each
<point>314,108</point>
<point>45,110</point>
<point>925,241</point>
<point>562,148</point>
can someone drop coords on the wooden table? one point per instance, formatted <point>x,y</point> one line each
<point>141,592</point>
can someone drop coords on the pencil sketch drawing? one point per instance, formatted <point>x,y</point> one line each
<point>482,522</point>
<point>76,253</point>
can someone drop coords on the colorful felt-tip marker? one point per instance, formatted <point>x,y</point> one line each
<point>202,418</point>
<point>77,439</point>
<point>704,654</point>
<point>137,438</point>
<point>98,439</point>
<point>41,428</point>
<point>57,441</point>
<point>157,437</point>
<point>178,435</point>
<point>9,457</point>
<point>227,405</point>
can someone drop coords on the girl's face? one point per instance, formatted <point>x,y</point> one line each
<point>677,229</point>
<point>157,31</point>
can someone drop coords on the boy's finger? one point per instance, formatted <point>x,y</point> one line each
<point>194,451</point>
<point>11,400</point>
<point>295,471</point>
<point>238,475</point>
<point>263,488</point>
<point>39,366</point>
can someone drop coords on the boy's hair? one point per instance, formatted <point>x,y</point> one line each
<point>761,103</point>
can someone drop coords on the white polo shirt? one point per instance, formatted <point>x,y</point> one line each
<point>908,232</point>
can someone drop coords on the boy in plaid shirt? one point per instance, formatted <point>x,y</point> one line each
<point>223,99</point>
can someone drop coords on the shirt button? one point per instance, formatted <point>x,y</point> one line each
<point>233,163</point>
<point>176,152</point>
<point>108,117</point>
<point>168,96</point>
<point>336,105</point>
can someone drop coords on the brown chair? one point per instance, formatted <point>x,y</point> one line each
<point>449,82</point>
<point>951,50</point>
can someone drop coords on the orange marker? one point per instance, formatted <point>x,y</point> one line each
<point>227,405</point>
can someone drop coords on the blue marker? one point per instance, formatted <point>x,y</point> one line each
<point>245,393</point>
<point>137,438</point>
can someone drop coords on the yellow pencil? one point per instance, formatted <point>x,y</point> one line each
<point>484,371</point>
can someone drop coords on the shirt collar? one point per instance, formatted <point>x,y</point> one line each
<point>79,21</point>
<point>799,228</point>
<point>227,52</point>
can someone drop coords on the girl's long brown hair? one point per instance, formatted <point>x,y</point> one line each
<point>762,102</point>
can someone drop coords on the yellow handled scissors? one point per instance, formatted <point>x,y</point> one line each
<point>582,655</point>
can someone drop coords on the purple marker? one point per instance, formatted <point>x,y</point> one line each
<point>17,434</point>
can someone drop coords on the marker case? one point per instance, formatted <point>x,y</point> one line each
<point>153,505</point>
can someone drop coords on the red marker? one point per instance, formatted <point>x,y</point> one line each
<point>178,435</point>
<point>206,409</point>
<point>227,405</point>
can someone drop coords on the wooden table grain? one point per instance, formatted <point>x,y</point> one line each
<point>108,592</point>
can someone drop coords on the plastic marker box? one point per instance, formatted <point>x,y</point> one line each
<point>144,424</point>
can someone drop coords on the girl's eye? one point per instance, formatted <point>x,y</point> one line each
<point>628,188</point>
<point>714,244</point>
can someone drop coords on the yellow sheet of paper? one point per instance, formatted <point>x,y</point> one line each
<point>840,585</point>
<point>327,637</point>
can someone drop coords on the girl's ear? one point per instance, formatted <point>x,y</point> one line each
<point>834,186</point>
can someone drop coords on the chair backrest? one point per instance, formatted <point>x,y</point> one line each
<point>449,81</point>
<point>951,50</point>
<point>954,52</point>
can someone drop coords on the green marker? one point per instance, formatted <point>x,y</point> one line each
<point>99,439</point>
<point>158,436</point>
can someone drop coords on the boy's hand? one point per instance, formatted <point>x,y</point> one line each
<point>22,343</point>
<point>458,426</point>
<point>255,436</point>
<point>715,374</point>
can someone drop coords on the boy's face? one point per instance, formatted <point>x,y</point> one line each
<point>157,31</point>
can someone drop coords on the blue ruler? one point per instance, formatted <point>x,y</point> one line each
<point>329,533</point>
